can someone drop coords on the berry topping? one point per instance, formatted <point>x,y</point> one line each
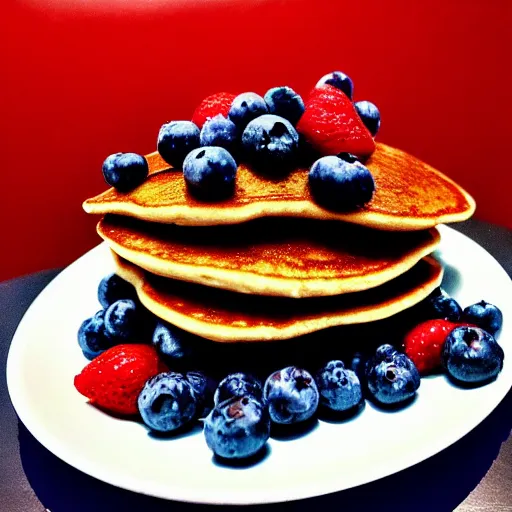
<point>246,107</point>
<point>472,355</point>
<point>339,388</point>
<point>92,338</point>
<point>212,106</point>
<point>167,402</point>
<point>440,305</point>
<point>123,320</point>
<point>487,316</point>
<point>113,288</point>
<point>237,428</point>
<point>125,171</point>
<point>385,352</point>
<point>369,114</point>
<point>291,394</point>
<point>270,144</point>
<point>339,80</point>
<point>285,102</point>
<point>340,185</point>
<point>175,141</point>
<point>238,385</point>
<point>331,124</point>
<point>392,377</point>
<point>172,342</point>
<point>114,379</point>
<point>210,173</point>
<point>204,388</point>
<point>424,344</point>
<point>219,131</point>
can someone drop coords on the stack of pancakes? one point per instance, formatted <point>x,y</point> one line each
<point>272,264</point>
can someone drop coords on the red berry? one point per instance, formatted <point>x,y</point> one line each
<point>331,125</point>
<point>114,379</point>
<point>211,106</point>
<point>424,343</point>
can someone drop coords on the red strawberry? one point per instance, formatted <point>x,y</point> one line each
<point>211,106</point>
<point>114,379</point>
<point>424,343</point>
<point>331,125</point>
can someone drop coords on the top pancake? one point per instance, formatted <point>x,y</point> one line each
<point>410,195</point>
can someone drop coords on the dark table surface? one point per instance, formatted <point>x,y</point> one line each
<point>474,474</point>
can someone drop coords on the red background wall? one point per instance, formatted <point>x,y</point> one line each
<point>81,80</point>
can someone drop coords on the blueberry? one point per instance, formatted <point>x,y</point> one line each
<point>238,385</point>
<point>210,173</point>
<point>271,144</point>
<point>340,389</point>
<point>175,141</point>
<point>392,378</point>
<point>291,395</point>
<point>384,352</point>
<point>92,337</point>
<point>369,114</point>
<point>172,342</point>
<point>123,320</point>
<point>125,171</point>
<point>167,402</point>
<point>246,107</point>
<point>285,102</point>
<point>219,131</point>
<point>340,185</point>
<point>204,388</point>
<point>440,305</point>
<point>487,316</point>
<point>237,428</point>
<point>472,355</point>
<point>112,288</point>
<point>339,80</point>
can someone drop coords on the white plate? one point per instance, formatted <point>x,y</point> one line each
<point>44,358</point>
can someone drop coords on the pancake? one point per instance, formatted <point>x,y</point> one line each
<point>410,195</point>
<point>226,316</point>
<point>282,257</point>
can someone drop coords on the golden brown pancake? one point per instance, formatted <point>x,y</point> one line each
<point>283,257</point>
<point>226,316</point>
<point>410,195</point>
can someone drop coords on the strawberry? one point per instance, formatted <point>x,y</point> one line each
<point>331,125</point>
<point>211,106</point>
<point>115,378</point>
<point>424,343</point>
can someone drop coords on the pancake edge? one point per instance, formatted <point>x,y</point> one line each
<point>223,334</point>
<point>253,283</point>
<point>197,216</point>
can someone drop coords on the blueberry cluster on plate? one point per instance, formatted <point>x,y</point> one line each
<point>122,318</point>
<point>239,410</point>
